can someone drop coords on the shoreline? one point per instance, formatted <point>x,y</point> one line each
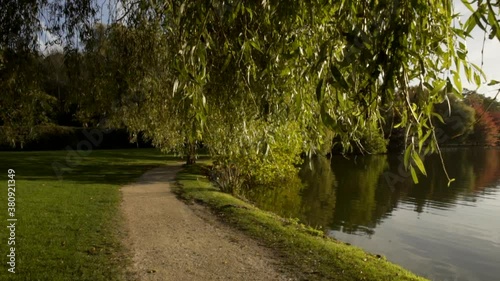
<point>306,251</point>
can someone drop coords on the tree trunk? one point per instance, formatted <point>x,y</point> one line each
<point>190,159</point>
<point>190,153</point>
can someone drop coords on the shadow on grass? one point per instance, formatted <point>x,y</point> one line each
<point>99,166</point>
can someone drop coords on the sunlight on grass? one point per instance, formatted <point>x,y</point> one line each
<point>70,229</point>
<point>311,255</point>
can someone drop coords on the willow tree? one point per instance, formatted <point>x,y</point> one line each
<point>259,82</point>
<point>248,69</point>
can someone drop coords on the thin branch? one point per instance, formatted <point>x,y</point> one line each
<point>439,152</point>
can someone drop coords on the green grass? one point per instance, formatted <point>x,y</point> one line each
<point>307,253</point>
<point>69,229</point>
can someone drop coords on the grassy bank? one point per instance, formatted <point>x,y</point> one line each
<point>69,228</point>
<point>306,251</point>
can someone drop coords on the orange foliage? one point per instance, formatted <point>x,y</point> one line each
<point>486,129</point>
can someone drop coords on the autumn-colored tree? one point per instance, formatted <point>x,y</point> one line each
<point>485,128</point>
<point>496,117</point>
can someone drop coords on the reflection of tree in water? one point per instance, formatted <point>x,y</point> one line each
<point>284,198</point>
<point>310,197</point>
<point>353,196</point>
<point>473,170</point>
<point>356,206</point>
<point>432,190</point>
<point>318,199</point>
<point>487,170</point>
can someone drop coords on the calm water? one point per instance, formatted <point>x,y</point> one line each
<point>440,232</point>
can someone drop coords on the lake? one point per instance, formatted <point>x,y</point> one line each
<point>439,232</point>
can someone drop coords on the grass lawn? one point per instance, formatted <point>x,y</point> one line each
<point>306,251</point>
<point>69,228</point>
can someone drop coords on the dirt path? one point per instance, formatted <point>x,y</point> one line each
<point>170,240</point>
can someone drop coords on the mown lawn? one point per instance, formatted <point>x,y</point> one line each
<point>69,228</point>
<point>306,251</point>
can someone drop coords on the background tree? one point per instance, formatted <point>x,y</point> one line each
<point>455,121</point>
<point>26,106</point>
<point>496,118</point>
<point>485,128</point>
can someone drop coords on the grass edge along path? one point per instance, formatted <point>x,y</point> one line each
<point>72,228</point>
<point>306,251</point>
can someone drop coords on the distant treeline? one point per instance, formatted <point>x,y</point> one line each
<point>55,137</point>
<point>471,120</point>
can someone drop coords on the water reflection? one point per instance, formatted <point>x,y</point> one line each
<point>282,199</point>
<point>357,208</point>
<point>474,171</point>
<point>312,200</point>
<point>444,233</point>
<point>319,197</point>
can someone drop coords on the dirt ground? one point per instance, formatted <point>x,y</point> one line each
<point>170,240</point>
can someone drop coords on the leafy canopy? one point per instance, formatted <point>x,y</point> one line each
<point>243,76</point>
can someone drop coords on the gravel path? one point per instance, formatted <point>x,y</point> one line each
<point>170,240</point>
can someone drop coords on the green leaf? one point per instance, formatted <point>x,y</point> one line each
<point>438,86</point>
<point>468,73</point>
<point>407,156</point>
<point>468,5</point>
<point>256,46</point>
<point>249,11</point>
<point>438,116</point>
<point>493,82</point>
<point>462,54</point>
<point>457,81</point>
<point>422,140</point>
<point>419,163</point>
<point>492,20</point>
<point>413,175</point>
<point>338,77</point>
<point>477,79</point>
